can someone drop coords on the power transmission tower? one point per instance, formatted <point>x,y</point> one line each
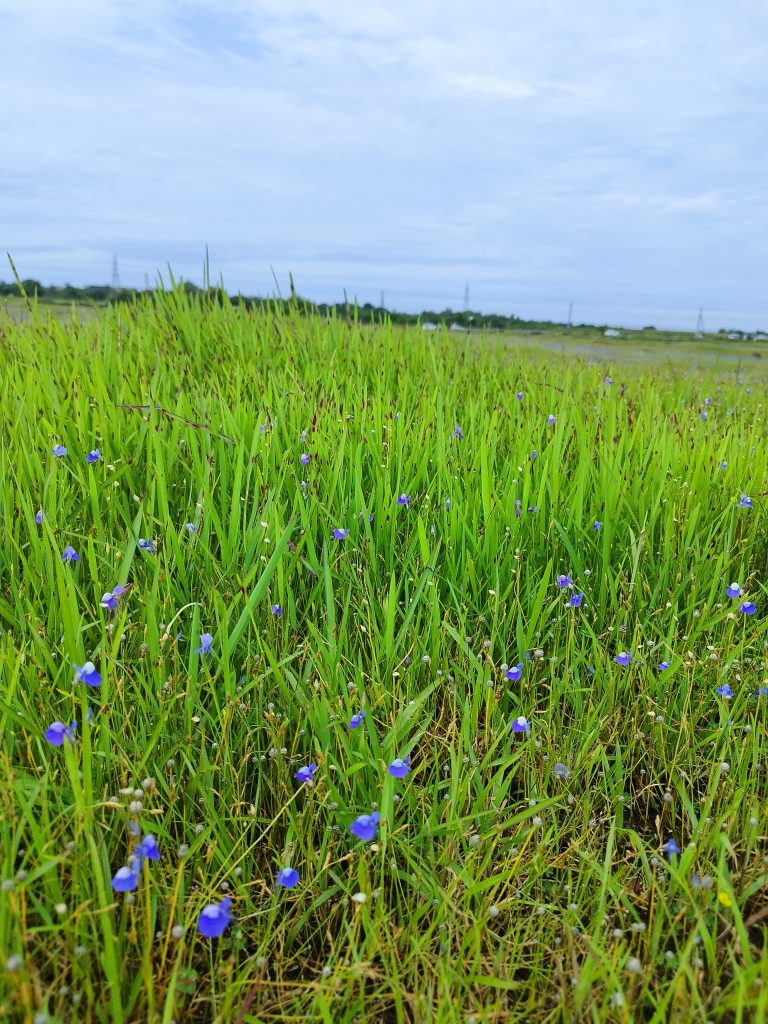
<point>381,303</point>
<point>466,298</point>
<point>570,316</point>
<point>700,325</point>
<point>115,274</point>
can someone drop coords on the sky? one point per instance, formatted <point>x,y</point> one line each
<point>539,152</point>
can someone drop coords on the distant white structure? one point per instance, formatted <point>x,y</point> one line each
<point>429,326</point>
<point>458,327</point>
<point>761,336</point>
<point>736,335</point>
<point>611,332</point>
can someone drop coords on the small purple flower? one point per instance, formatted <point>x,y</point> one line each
<point>370,517</point>
<point>190,527</point>
<point>518,503</point>
<point>287,878</point>
<point>39,517</point>
<point>70,555</point>
<point>575,600</point>
<point>564,581</point>
<point>551,420</point>
<point>94,456</point>
<point>664,665</point>
<point>147,848</point>
<point>404,499</point>
<point>561,771</point>
<point>724,464</point>
<point>87,674</point>
<point>597,525</point>
<point>457,432</point>
<point>725,691</point>
<point>533,508</point>
<point>214,919</point>
<point>58,451</point>
<point>622,658</point>
<point>357,719</point>
<point>670,848</point>
<point>57,732</point>
<point>519,396</point>
<point>744,502</point>
<point>514,672</point>
<point>110,600</point>
<point>206,639</point>
<point>761,691</point>
<point>340,534</point>
<point>703,416</point>
<point>534,455</point>
<point>608,381</point>
<point>521,724</point>
<point>747,607</point>
<point>400,767</point>
<point>734,590</point>
<point>134,828</point>
<point>125,880</point>
<point>147,545</point>
<point>365,826</point>
<point>305,459</point>
<point>305,774</point>
<point>276,609</point>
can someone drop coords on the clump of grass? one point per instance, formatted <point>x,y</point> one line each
<point>519,871</point>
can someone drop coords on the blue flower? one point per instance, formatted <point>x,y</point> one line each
<point>206,639</point>
<point>761,691</point>
<point>551,420</point>
<point>39,517</point>
<point>287,878</point>
<point>519,396</point>
<point>534,455</point>
<point>214,919</point>
<point>94,456</point>
<point>110,600</point>
<point>564,581</point>
<point>521,724</point>
<point>125,879</point>
<point>703,416</point>
<point>747,607</point>
<point>457,433</point>
<point>146,545</point>
<point>57,732</point>
<point>725,691</point>
<point>190,527</point>
<point>59,451</point>
<point>561,771</point>
<point>608,381</point>
<point>400,767</point>
<point>664,665</point>
<point>724,464</point>
<point>305,459</point>
<point>533,508</point>
<point>575,600</point>
<point>734,590</point>
<point>670,848</point>
<point>514,672</point>
<point>404,499</point>
<point>147,848</point>
<point>622,658</point>
<point>70,555</point>
<point>276,609</point>
<point>357,719</point>
<point>87,674</point>
<point>518,503</point>
<point>365,826</point>
<point>305,774</point>
<point>597,525</point>
<point>744,502</point>
<point>340,534</point>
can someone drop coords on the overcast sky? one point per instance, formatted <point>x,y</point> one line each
<point>540,151</point>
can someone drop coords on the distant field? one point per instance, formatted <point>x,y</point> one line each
<point>506,593</point>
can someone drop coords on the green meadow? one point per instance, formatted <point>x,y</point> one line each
<point>565,837</point>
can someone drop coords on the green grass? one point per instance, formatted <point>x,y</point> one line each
<point>494,890</point>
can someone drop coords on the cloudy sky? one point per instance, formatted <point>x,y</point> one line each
<point>539,151</point>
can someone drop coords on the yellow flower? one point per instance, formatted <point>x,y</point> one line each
<point>725,899</point>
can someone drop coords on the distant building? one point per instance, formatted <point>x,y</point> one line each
<point>736,335</point>
<point>761,336</point>
<point>429,326</point>
<point>458,327</point>
<point>611,332</point>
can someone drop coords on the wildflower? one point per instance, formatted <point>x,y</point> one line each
<point>340,534</point>
<point>59,451</point>
<point>357,719</point>
<point>575,601</point>
<point>734,590</point>
<point>534,455</point>
<point>597,525</point>
<point>39,517</point>
<point>747,607</point>
<point>521,724</point>
<point>359,898</point>
<point>564,581</point>
<point>400,767</point>
<point>514,672</point>
<point>146,545</point>
<point>761,691</point>
<point>725,691</point>
<point>125,879</point>
<point>457,433</point>
<point>724,464</point>
<point>94,456</point>
<point>287,878</point>
<point>533,508</point>
<point>87,674</point>
<point>110,599</point>
<point>725,899</point>
<point>365,826</point>
<point>664,665</point>
<point>206,639</point>
<point>305,459</point>
<point>214,919</point>
<point>70,555</point>
<point>518,503</point>
<point>190,527</point>
<point>519,396</point>
<point>561,771</point>
<point>551,420</point>
<point>305,774</point>
<point>276,609</point>
<point>703,416</point>
<point>622,658</point>
<point>670,848</point>
<point>608,381</point>
<point>404,499</point>
<point>57,732</point>
<point>744,502</point>
<point>147,848</point>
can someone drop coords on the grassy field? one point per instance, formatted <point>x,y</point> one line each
<point>574,838</point>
